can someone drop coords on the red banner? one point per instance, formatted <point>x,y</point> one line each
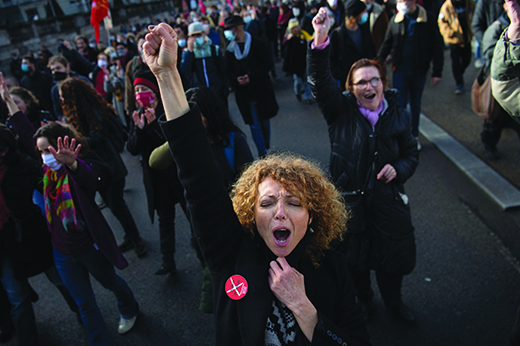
<point>99,11</point>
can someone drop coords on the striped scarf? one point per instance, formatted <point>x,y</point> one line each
<point>58,198</point>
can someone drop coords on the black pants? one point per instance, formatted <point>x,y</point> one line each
<point>389,286</point>
<point>492,130</point>
<point>113,197</point>
<point>460,59</point>
<point>168,192</point>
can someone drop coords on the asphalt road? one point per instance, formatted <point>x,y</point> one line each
<point>464,290</point>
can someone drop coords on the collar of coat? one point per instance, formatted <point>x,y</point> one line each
<point>421,17</point>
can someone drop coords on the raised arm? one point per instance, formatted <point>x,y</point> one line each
<point>216,225</point>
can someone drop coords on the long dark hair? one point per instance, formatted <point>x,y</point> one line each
<point>33,105</point>
<point>79,100</point>
<point>53,130</point>
<point>8,140</point>
<point>218,122</point>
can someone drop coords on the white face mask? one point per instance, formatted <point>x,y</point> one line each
<point>102,63</point>
<point>369,7</point>
<point>332,3</point>
<point>296,11</point>
<point>401,7</point>
<point>50,161</point>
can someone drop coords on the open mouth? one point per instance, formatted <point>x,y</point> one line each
<point>370,96</point>
<point>281,236</point>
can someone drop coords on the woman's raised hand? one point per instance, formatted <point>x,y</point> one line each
<point>67,152</point>
<point>4,91</point>
<point>321,24</point>
<point>160,49</point>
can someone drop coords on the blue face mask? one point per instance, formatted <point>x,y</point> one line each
<point>25,67</point>
<point>199,41</point>
<point>229,35</point>
<point>364,18</point>
<point>247,19</point>
<point>182,43</point>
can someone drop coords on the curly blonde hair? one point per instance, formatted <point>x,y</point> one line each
<point>305,180</point>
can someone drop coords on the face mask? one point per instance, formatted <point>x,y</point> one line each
<point>247,19</point>
<point>228,34</point>
<point>58,76</point>
<point>401,7</point>
<point>25,67</point>
<point>364,18</point>
<point>92,45</point>
<point>206,27</point>
<point>50,161</point>
<point>102,63</point>
<point>332,3</point>
<point>369,7</point>
<point>113,55</point>
<point>145,99</point>
<point>182,43</point>
<point>296,11</point>
<point>199,41</point>
<point>121,52</point>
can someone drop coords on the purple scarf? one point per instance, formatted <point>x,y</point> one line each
<point>372,116</point>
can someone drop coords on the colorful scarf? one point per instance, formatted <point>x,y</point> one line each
<point>5,213</point>
<point>58,198</point>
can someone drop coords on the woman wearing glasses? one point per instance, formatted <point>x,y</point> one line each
<point>373,154</point>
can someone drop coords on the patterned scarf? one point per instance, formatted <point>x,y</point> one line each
<point>281,328</point>
<point>58,198</point>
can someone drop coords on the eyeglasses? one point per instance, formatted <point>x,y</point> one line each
<point>363,84</point>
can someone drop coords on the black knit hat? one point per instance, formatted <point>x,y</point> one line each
<point>233,21</point>
<point>354,8</point>
<point>147,78</point>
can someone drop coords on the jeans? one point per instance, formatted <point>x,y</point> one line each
<point>261,132</point>
<point>460,59</point>
<point>22,312</point>
<point>113,196</point>
<point>410,85</point>
<point>74,271</point>
<point>301,86</point>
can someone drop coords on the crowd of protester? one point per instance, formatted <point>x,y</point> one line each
<point>67,117</point>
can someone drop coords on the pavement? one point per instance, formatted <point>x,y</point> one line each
<point>464,289</point>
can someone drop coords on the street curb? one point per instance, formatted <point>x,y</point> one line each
<point>505,194</point>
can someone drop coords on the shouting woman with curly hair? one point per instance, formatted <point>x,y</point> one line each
<point>275,279</point>
<point>92,117</point>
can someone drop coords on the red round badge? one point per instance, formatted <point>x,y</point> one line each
<point>236,287</point>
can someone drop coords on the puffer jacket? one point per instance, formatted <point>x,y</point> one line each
<point>358,152</point>
<point>450,26</point>
<point>428,42</point>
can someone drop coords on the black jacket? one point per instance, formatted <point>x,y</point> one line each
<point>358,152</point>
<point>257,65</point>
<point>344,52</point>
<point>428,42</point>
<point>295,56</point>
<point>25,239</point>
<point>486,12</point>
<point>228,251</point>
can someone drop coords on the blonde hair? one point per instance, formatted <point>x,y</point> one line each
<point>305,180</point>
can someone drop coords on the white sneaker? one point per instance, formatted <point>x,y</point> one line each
<point>126,324</point>
<point>419,146</point>
<point>479,63</point>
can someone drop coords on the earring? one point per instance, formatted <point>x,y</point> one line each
<point>311,230</point>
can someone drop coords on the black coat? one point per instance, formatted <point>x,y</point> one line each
<point>257,65</point>
<point>25,239</point>
<point>228,251</point>
<point>429,45</point>
<point>144,141</point>
<point>344,52</point>
<point>295,56</point>
<point>379,212</point>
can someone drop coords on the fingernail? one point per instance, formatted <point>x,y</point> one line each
<point>151,27</point>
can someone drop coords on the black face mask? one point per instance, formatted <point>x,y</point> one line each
<point>59,76</point>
